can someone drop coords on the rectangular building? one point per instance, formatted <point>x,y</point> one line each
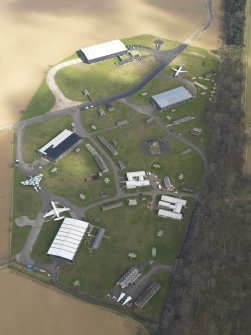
<point>108,146</point>
<point>149,292</point>
<point>60,145</point>
<point>98,159</point>
<point>136,179</point>
<point>173,200</point>
<point>171,98</point>
<point>169,215</point>
<point>102,51</point>
<point>68,239</point>
<point>183,120</point>
<point>129,277</point>
<point>98,238</point>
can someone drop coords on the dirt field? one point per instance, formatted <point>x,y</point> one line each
<point>36,34</point>
<point>55,313</point>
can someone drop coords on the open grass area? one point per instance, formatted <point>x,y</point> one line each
<point>42,101</point>
<point>19,236</point>
<point>37,135</point>
<point>44,241</point>
<point>148,41</point>
<point>69,180</point>
<point>91,117</point>
<point>128,229</point>
<point>25,203</point>
<point>101,79</point>
<point>196,61</point>
<point>25,199</point>
<point>130,149</point>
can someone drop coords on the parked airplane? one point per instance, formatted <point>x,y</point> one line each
<point>178,71</point>
<point>33,181</point>
<point>55,212</point>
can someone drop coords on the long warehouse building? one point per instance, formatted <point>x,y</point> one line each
<point>99,52</point>
<point>171,98</point>
<point>68,239</point>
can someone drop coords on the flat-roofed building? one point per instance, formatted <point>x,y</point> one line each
<point>147,294</point>
<point>102,51</point>
<point>171,98</point>
<point>196,131</point>
<point>98,159</point>
<point>68,239</point>
<point>173,200</point>
<point>136,179</point>
<point>169,215</point>
<point>112,205</point>
<point>183,120</point>
<point>121,165</point>
<point>60,145</point>
<point>107,145</point>
<point>167,183</point>
<point>98,238</point>
<point>129,277</point>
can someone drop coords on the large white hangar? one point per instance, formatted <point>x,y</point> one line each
<point>99,52</point>
<point>171,98</point>
<point>68,239</point>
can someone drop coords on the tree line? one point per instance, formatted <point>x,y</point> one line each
<point>212,290</point>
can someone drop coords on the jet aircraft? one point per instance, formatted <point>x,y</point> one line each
<point>55,212</point>
<point>178,71</point>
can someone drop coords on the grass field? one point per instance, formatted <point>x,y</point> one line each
<point>42,102</point>
<point>91,117</point>
<point>44,241</point>
<point>128,229</point>
<point>25,203</point>
<point>148,41</point>
<point>171,164</point>
<point>69,180</point>
<point>19,236</point>
<point>101,79</point>
<point>35,136</point>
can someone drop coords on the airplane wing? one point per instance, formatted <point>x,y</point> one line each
<point>174,69</point>
<point>50,213</point>
<point>64,209</point>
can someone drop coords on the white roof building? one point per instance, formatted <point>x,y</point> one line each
<point>104,50</point>
<point>168,214</point>
<point>170,207</point>
<point>173,200</point>
<point>68,239</point>
<point>136,179</point>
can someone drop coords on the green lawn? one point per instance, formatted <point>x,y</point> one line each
<point>91,117</point>
<point>42,102</point>
<point>101,79</point>
<point>25,203</point>
<point>128,229</point>
<point>35,136</point>
<point>148,41</point>
<point>19,236</point>
<point>171,164</point>
<point>25,198</point>
<point>44,241</point>
<point>69,180</point>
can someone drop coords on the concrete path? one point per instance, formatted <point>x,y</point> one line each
<point>61,100</point>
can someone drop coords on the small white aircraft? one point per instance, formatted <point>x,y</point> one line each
<point>178,71</point>
<point>33,181</point>
<point>55,212</point>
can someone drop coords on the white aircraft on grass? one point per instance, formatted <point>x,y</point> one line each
<point>55,212</point>
<point>33,181</point>
<point>178,71</point>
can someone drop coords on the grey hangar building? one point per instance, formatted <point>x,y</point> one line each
<point>171,98</point>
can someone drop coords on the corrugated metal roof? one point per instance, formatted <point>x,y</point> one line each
<point>68,239</point>
<point>104,49</point>
<point>172,97</point>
